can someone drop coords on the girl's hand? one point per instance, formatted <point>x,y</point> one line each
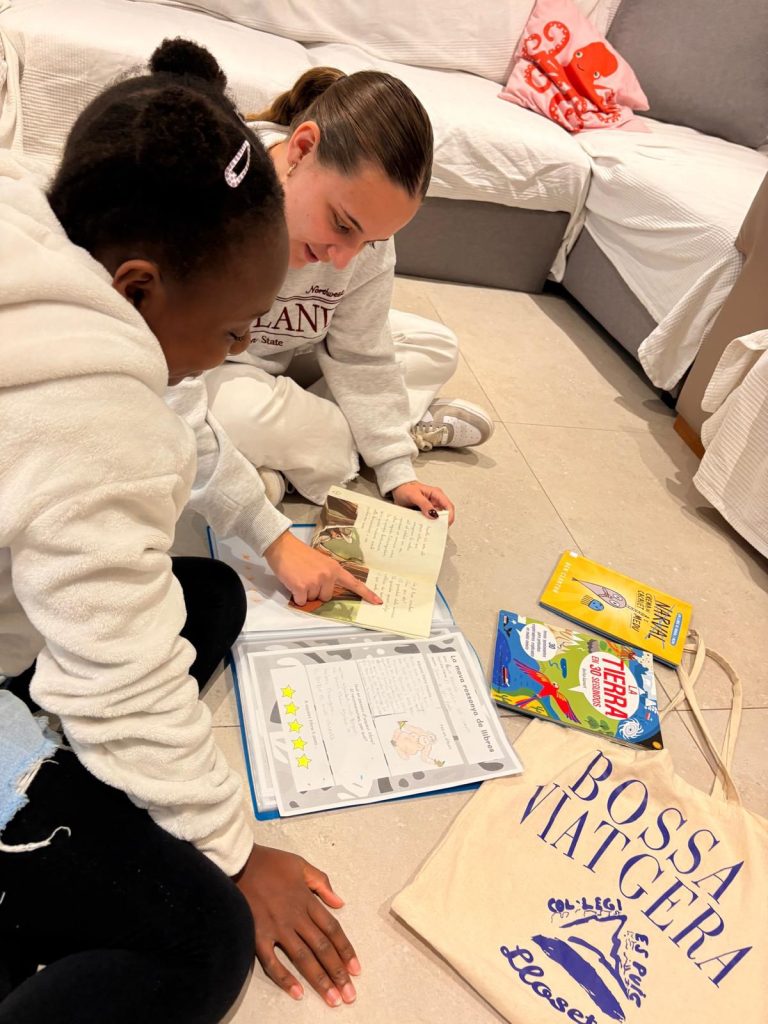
<point>429,499</point>
<point>284,894</point>
<point>311,575</point>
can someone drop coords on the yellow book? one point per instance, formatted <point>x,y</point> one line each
<point>618,606</point>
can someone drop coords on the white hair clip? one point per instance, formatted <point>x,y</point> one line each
<point>233,179</point>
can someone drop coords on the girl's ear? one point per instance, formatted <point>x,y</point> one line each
<point>139,282</point>
<point>303,141</point>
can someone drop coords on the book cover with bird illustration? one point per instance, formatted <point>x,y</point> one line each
<point>590,683</point>
<point>618,607</point>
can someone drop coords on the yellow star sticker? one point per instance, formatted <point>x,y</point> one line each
<point>295,726</point>
<point>303,761</point>
<point>287,691</point>
<point>298,744</point>
<point>291,709</point>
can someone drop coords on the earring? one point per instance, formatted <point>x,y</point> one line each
<point>291,169</point>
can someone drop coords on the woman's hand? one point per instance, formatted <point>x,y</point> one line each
<point>284,893</point>
<point>311,575</point>
<point>429,499</point>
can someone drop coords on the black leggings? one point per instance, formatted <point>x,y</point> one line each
<point>133,924</point>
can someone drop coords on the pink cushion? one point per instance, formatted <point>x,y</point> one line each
<point>566,70</point>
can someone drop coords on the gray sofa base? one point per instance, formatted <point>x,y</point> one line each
<point>481,243</point>
<point>592,280</point>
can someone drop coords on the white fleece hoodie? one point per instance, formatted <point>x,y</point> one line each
<point>95,470</point>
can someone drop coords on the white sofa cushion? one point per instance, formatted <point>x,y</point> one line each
<point>461,35</point>
<point>71,49</point>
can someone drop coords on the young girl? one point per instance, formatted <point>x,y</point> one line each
<point>354,155</point>
<point>160,240</point>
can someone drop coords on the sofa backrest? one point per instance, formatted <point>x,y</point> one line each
<point>479,36</point>
<point>701,63</point>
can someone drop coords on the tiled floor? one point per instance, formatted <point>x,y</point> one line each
<point>583,455</point>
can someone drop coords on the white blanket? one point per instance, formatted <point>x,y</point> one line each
<point>733,475</point>
<point>462,35</point>
<point>71,49</point>
<point>665,207</point>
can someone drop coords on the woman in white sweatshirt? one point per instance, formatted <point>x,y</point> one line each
<point>330,373</point>
<point>161,238</point>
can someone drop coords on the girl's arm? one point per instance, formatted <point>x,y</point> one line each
<point>358,362</point>
<point>228,491</point>
<point>229,494</point>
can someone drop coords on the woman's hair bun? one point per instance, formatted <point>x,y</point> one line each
<point>183,57</point>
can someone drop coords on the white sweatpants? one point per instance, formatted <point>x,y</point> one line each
<point>294,426</point>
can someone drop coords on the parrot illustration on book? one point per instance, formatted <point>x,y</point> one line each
<point>547,691</point>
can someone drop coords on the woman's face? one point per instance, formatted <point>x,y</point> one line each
<point>199,324</point>
<point>331,216</point>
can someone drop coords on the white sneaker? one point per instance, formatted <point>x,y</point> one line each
<point>452,423</point>
<point>274,485</point>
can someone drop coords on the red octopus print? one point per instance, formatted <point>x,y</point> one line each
<point>587,66</point>
<point>575,84</point>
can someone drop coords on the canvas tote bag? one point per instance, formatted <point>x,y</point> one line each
<point>600,886</point>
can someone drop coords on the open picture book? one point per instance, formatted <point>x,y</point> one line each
<point>396,552</point>
<point>333,715</point>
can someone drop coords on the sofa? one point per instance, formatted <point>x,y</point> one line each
<point>639,226</point>
<point>507,185</point>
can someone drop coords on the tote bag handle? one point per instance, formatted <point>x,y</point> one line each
<point>723,788</point>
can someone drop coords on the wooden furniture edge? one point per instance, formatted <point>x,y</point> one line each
<point>689,435</point>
